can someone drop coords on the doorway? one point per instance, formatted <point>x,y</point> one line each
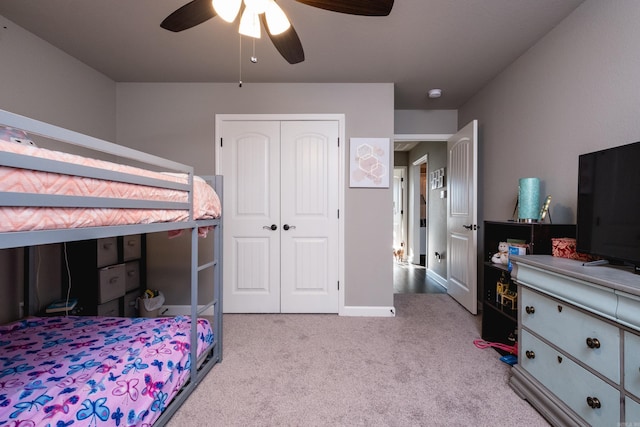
<point>424,268</point>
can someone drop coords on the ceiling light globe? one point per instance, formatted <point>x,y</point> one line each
<point>227,9</point>
<point>256,6</point>
<point>249,24</point>
<point>277,21</point>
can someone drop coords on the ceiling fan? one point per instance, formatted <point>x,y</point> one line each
<point>268,13</point>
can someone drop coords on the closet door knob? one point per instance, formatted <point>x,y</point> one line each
<point>530,354</point>
<point>530,309</point>
<point>271,227</point>
<point>593,343</point>
<point>287,227</point>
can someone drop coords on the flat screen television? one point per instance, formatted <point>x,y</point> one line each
<point>608,208</point>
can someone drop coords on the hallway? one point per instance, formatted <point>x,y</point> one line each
<point>412,279</point>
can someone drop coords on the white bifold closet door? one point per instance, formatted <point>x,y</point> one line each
<point>280,216</point>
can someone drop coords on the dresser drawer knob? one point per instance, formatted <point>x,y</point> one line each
<point>530,354</point>
<point>593,343</point>
<point>107,246</point>
<point>559,309</point>
<point>593,402</point>
<point>530,309</point>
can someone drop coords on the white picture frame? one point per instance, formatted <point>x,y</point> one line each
<point>437,178</point>
<point>369,162</point>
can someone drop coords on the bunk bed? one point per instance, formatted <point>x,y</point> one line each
<point>72,370</point>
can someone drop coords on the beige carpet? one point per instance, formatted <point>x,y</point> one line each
<point>417,369</point>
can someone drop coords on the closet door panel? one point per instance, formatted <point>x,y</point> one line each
<point>251,166</point>
<point>309,209</point>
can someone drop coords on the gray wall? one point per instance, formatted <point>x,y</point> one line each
<point>42,82</point>
<point>575,91</point>
<point>425,121</point>
<point>176,120</point>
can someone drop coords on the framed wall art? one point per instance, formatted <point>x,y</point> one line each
<point>369,162</point>
<point>437,178</point>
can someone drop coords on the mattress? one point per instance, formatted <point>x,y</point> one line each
<point>206,203</point>
<point>92,371</point>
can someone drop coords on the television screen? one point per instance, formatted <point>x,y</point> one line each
<point>609,204</point>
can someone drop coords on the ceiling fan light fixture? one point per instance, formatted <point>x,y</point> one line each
<point>227,9</point>
<point>256,6</point>
<point>249,24</point>
<point>277,21</point>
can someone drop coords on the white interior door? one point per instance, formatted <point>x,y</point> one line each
<point>250,163</point>
<point>462,217</point>
<point>281,228</point>
<point>309,217</point>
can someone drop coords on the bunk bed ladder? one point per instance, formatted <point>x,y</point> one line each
<point>198,373</point>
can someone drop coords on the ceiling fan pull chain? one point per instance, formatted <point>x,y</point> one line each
<point>240,60</point>
<point>254,58</point>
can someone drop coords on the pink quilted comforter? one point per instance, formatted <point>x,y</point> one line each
<point>93,371</point>
<point>205,200</point>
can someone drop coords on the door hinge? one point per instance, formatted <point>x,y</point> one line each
<point>338,213</point>
<point>220,142</point>
<point>338,285</point>
<point>338,142</point>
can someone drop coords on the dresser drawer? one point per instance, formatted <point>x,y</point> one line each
<point>132,275</point>
<point>569,381</point>
<point>111,283</point>
<point>574,332</point>
<point>131,247</point>
<point>106,251</point>
<point>631,412</point>
<point>109,309</point>
<point>632,363</point>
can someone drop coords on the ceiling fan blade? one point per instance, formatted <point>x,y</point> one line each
<point>191,14</point>
<point>353,7</point>
<point>287,43</point>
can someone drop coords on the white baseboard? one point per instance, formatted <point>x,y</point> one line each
<point>185,310</point>
<point>181,310</point>
<point>368,311</point>
<point>442,281</point>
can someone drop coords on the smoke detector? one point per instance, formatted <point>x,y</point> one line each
<point>435,93</point>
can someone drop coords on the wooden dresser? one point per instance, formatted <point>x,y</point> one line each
<point>578,341</point>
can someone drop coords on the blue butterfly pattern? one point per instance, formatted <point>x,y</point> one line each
<point>93,409</point>
<point>59,361</point>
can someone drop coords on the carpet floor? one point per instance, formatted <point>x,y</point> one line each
<point>419,368</point>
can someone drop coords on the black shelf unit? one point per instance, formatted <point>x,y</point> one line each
<point>500,322</point>
<point>122,259</point>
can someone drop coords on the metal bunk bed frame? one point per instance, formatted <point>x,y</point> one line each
<point>27,239</point>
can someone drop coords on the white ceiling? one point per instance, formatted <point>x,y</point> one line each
<point>455,45</point>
